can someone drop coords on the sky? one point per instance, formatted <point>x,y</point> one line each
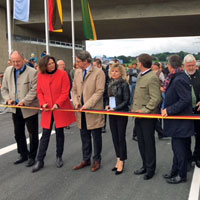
<point>134,47</point>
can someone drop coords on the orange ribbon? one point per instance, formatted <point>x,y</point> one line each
<point>117,113</point>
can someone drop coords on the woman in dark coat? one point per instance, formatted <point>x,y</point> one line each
<point>53,92</point>
<point>178,101</point>
<point>119,95</point>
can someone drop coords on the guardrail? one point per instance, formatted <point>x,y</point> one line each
<point>54,43</point>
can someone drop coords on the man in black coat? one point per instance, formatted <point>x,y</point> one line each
<point>177,101</point>
<point>194,75</point>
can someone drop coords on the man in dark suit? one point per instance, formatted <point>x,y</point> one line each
<point>194,76</point>
<point>147,98</point>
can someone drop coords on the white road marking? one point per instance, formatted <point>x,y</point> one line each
<point>194,188</point>
<point>195,185</point>
<point>12,147</point>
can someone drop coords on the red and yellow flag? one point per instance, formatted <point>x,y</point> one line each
<point>88,22</point>
<point>55,16</point>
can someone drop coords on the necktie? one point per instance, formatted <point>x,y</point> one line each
<point>84,75</point>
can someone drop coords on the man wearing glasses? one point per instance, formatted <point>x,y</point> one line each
<point>88,89</point>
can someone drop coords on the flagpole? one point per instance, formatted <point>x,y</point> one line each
<point>9,28</point>
<point>73,31</point>
<point>46,13</point>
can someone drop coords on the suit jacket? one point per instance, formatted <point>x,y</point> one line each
<point>178,101</point>
<point>26,88</point>
<point>54,89</point>
<point>91,89</point>
<point>147,96</point>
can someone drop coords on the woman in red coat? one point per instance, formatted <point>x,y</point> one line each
<point>53,93</point>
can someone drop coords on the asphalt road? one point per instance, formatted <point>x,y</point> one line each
<point>18,183</point>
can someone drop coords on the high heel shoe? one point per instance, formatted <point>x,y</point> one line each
<point>120,172</point>
<point>114,169</point>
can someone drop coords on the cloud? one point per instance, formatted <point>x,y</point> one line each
<point>134,47</point>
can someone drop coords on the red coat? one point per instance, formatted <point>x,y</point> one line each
<point>54,89</point>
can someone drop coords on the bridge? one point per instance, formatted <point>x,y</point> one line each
<point>114,19</point>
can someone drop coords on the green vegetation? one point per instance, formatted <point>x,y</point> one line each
<point>161,57</point>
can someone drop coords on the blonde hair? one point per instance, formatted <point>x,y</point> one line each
<point>121,69</point>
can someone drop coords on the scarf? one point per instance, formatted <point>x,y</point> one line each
<point>170,76</point>
<point>113,86</point>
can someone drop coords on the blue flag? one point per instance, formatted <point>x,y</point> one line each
<point>21,10</point>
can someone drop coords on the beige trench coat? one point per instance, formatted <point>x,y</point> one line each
<point>92,89</point>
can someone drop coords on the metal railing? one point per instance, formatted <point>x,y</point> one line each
<point>53,43</point>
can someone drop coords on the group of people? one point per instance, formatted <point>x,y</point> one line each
<point>97,88</point>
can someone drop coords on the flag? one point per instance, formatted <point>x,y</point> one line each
<point>21,10</point>
<point>88,22</point>
<point>55,16</point>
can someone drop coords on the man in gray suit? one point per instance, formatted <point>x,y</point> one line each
<point>147,98</point>
<point>19,88</point>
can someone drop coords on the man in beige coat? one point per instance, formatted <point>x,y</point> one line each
<point>147,98</point>
<point>87,92</point>
<point>19,88</point>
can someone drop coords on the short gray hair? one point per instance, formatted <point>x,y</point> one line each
<point>15,51</point>
<point>189,58</point>
<point>84,55</point>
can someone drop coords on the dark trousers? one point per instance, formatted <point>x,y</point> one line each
<point>132,89</point>
<point>118,129</point>
<point>20,137</point>
<point>145,129</point>
<point>180,159</point>
<point>159,129</point>
<point>87,143</point>
<point>44,142</point>
<point>196,154</point>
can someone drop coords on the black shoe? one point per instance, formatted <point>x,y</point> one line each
<point>197,162</point>
<point>114,169</point>
<point>59,162</point>
<point>38,165</point>
<point>135,138</point>
<point>160,137</point>
<point>170,175</point>
<point>30,162</point>
<point>148,176</point>
<point>103,130</point>
<point>140,171</point>
<point>120,172</point>
<point>21,159</point>
<point>176,180</point>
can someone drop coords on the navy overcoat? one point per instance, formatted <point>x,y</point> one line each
<point>178,101</point>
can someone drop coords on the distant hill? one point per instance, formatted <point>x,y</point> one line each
<point>161,57</point>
